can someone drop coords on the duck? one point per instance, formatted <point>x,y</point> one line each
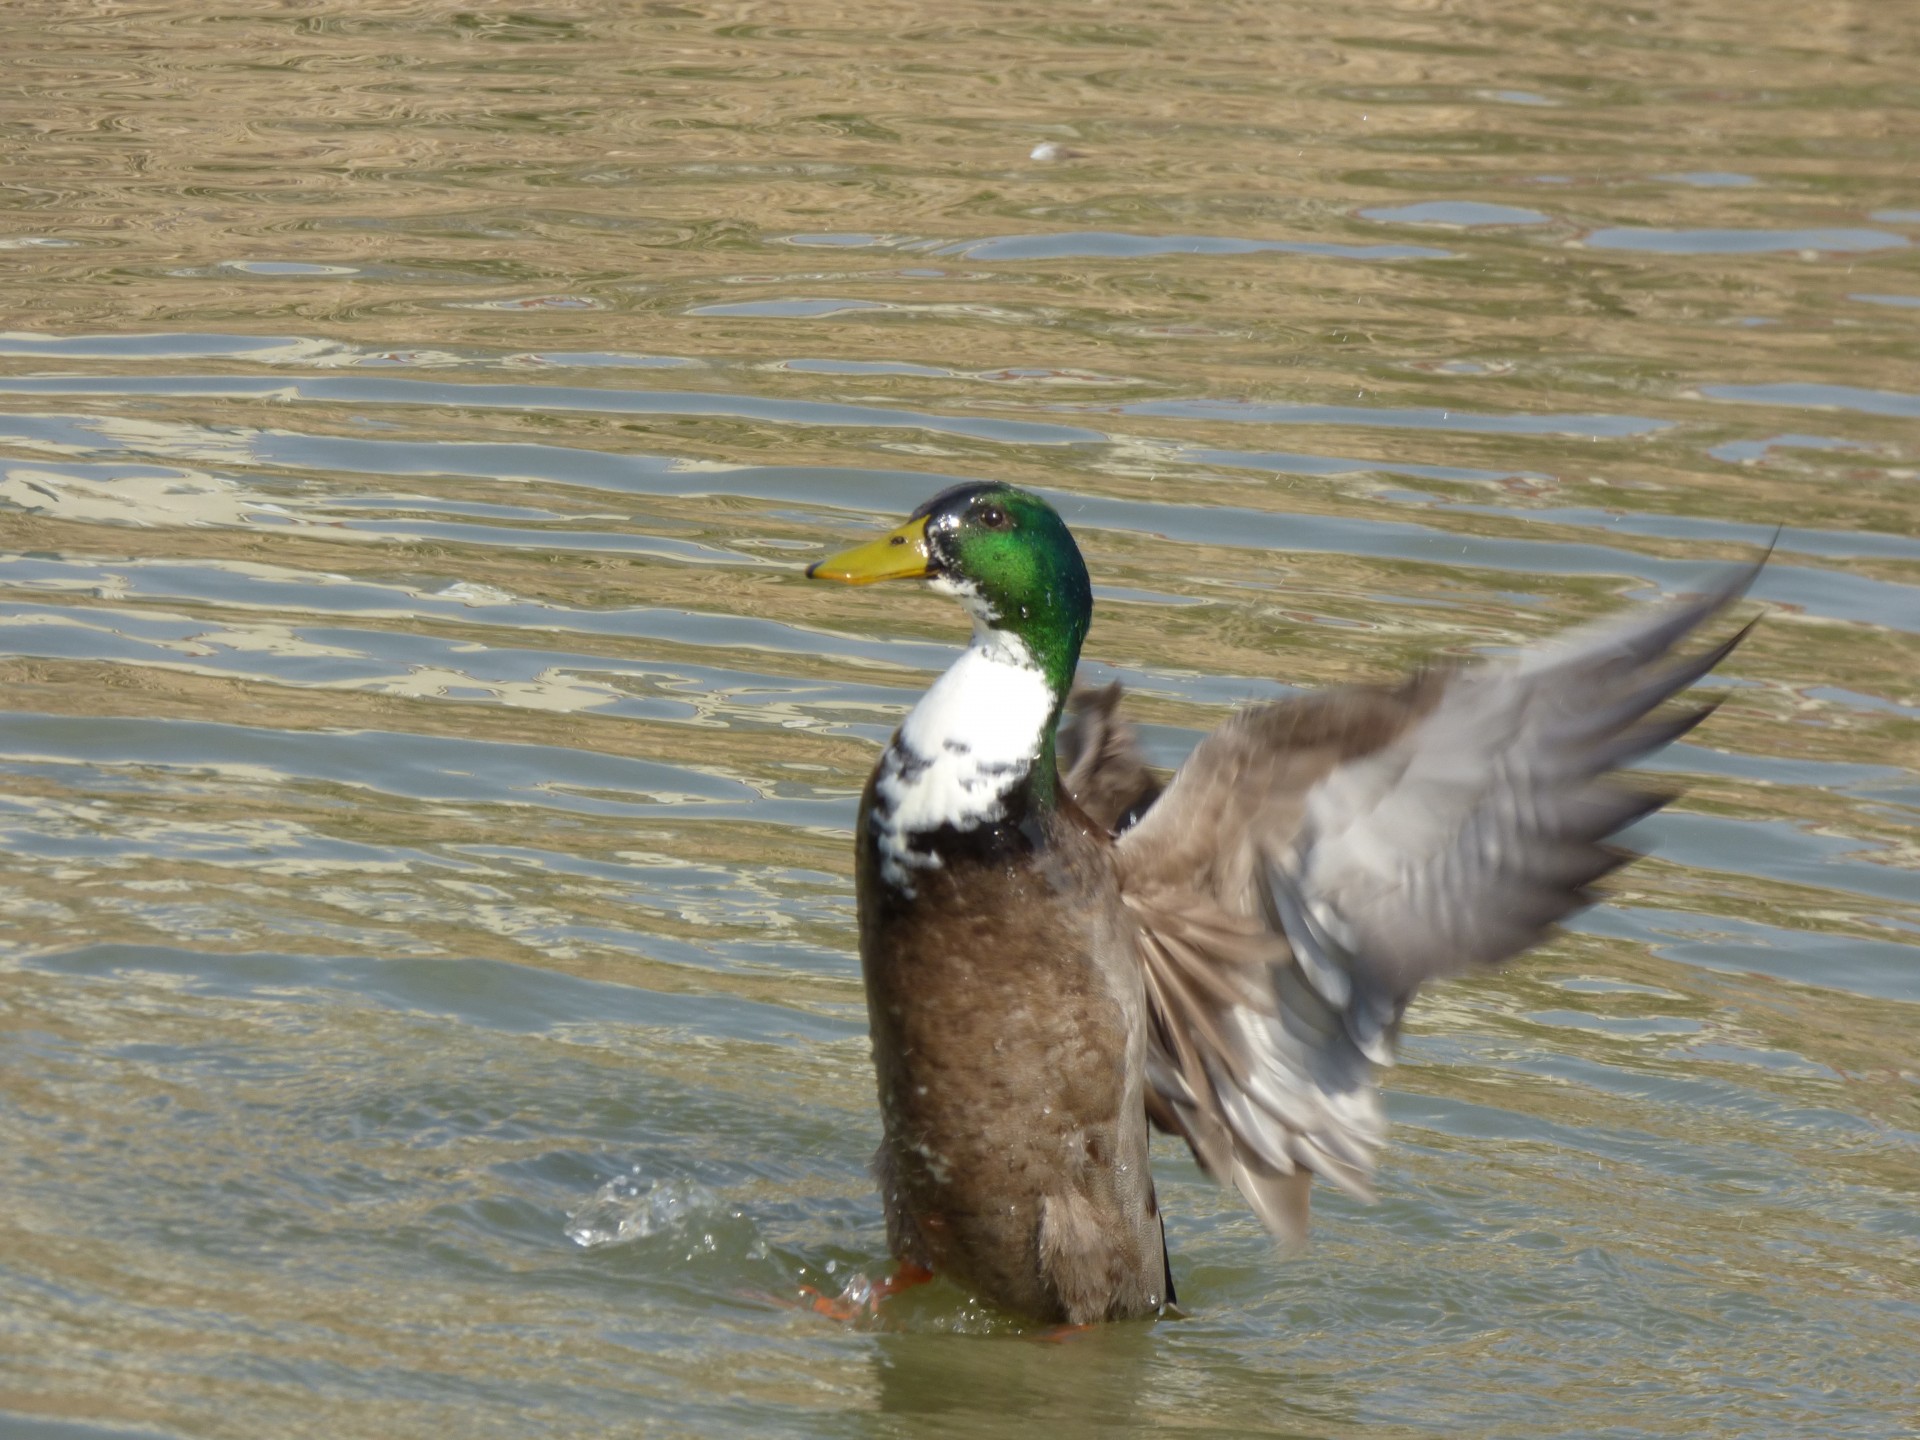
<point>1062,952</point>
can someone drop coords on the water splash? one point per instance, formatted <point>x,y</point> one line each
<point>629,1208</point>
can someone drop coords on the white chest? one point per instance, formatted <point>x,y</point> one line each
<point>970,740</point>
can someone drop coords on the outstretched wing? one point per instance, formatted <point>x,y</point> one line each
<point>1315,861</point>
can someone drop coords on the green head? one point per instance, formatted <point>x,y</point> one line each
<point>1008,557</point>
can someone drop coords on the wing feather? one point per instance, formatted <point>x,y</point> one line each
<point>1100,761</point>
<point>1317,860</point>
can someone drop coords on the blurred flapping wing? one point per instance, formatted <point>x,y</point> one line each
<point>1316,860</point>
<point>1100,760</point>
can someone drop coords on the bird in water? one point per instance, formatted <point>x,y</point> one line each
<point>1059,951</point>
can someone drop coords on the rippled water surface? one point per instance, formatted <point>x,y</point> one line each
<point>426,779</point>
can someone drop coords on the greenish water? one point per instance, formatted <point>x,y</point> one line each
<point>427,1001</point>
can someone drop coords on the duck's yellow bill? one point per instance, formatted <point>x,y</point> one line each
<point>898,555</point>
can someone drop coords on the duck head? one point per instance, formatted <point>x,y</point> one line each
<point>1009,559</point>
<point>979,747</point>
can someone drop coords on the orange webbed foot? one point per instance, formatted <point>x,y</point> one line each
<point>1061,1334</point>
<point>862,1296</point>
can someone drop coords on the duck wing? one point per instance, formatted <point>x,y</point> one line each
<point>1317,860</point>
<point>1100,761</point>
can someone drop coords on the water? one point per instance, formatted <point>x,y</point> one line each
<point>425,778</point>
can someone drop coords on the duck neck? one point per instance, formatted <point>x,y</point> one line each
<point>994,712</point>
<point>975,758</point>
<point>1015,662</point>
<point>1037,637</point>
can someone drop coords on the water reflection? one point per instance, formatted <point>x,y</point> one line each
<point>1082,1384</point>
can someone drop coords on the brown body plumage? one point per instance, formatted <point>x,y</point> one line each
<point>1005,999</point>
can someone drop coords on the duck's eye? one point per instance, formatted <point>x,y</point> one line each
<point>992,516</point>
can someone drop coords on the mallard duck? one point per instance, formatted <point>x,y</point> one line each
<point>1059,951</point>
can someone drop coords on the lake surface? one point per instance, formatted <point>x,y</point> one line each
<point>428,1003</point>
